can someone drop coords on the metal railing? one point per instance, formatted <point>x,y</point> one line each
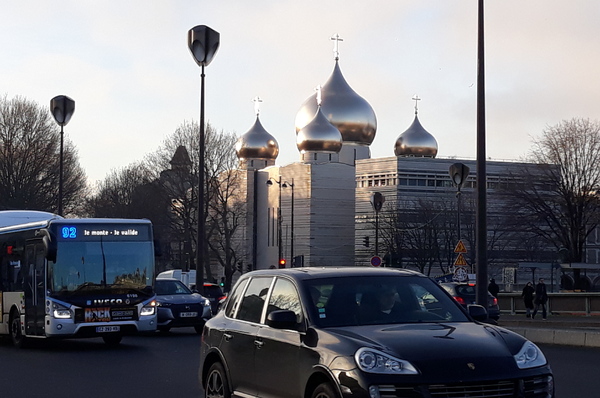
<point>587,304</point>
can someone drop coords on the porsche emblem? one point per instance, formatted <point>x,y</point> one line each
<point>471,366</point>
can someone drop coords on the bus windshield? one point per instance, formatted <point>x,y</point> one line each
<point>84,266</point>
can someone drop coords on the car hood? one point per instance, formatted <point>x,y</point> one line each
<point>456,350</point>
<point>180,298</point>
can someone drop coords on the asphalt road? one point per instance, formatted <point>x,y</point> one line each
<point>163,366</point>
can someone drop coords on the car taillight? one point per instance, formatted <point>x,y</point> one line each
<point>494,301</point>
<point>460,300</point>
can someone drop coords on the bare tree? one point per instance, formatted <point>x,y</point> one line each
<point>178,179</point>
<point>558,195</point>
<point>30,160</point>
<point>115,196</point>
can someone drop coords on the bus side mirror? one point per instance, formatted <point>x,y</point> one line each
<point>49,243</point>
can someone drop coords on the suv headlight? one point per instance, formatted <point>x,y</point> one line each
<point>374,361</point>
<point>530,356</point>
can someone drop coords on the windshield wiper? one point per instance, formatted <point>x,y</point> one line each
<point>88,284</point>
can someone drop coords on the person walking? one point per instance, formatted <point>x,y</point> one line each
<point>541,297</point>
<point>493,288</point>
<point>527,295</point>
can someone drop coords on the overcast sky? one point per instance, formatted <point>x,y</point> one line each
<point>127,66</point>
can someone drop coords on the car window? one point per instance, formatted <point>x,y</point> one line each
<point>213,291</point>
<point>253,301</point>
<point>465,290</point>
<point>234,298</point>
<point>374,300</point>
<point>285,297</point>
<point>163,287</point>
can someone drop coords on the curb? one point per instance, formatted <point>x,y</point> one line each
<point>579,338</point>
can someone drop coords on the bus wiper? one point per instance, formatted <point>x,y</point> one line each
<point>103,262</point>
<point>87,284</point>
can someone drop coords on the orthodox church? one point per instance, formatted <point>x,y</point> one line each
<point>319,211</point>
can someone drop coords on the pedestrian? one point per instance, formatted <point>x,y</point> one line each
<point>527,295</point>
<point>493,288</point>
<point>541,297</point>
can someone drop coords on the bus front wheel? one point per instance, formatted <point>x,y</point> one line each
<point>16,335</point>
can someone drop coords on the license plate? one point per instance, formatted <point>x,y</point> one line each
<point>188,314</point>
<point>104,329</point>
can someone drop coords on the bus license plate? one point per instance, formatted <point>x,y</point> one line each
<point>104,329</point>
<point>188,314</point>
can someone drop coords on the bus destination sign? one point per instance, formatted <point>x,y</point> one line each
<point>112,232</point>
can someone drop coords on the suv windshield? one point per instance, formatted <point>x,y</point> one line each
<point>375,300</point>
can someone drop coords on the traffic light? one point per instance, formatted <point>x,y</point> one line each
<point>282,263</point>
<point>366,241</point>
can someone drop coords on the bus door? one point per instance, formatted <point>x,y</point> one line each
<point>34,286</point>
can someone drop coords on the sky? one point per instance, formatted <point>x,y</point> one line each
<point>128,68</point>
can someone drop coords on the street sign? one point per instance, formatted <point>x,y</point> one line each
<point>461,274</point>
<point>460,247</point>
<point>375,261</point>
<point>460,261</point>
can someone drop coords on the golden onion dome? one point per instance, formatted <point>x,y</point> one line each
<point>319,135</point>
<point>344,108</point>
<point>416,141</point>
<point>257,143</point>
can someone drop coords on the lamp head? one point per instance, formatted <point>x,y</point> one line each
<point>62,108</point>
<point>203,43</point>
<point>459,173</point>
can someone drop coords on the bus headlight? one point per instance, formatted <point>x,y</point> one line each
<point>148,309</point>
<point>61,312</point>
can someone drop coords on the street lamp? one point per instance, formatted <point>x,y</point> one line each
<point>458,173</point>
<point>270,182</point>
<point>203,43</point>
<point>481,254</point>
<point>62,108</point>
<point>377,200</point>
<point>291,185</point>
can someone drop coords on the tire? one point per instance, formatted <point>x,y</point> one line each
<point>199,328</point>
<point>18,340</point>
<point>324,390</point>
<point>164,329</point>
<point>112,340</point>
<point>217,385</point>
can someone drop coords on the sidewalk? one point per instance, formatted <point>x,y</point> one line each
<point>561,329</point>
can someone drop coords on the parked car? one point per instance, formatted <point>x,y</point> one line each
<point>465,294</point>
<point>178,306</point>
<point>361,332</point>
<point>215,295</point>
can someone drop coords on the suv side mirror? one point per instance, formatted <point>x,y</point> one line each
<point>477,312</point>
<point>282,319</point>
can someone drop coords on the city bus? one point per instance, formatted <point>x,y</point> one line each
<point>71,278</point>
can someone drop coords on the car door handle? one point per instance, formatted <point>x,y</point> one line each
<point>227,336</point>
<point>258,343</point>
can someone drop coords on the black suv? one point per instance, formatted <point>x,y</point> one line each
<point>361,332</point>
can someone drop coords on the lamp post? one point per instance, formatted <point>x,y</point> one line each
<point>203,43</point>
<point>62,108</point>
<point>377,200</point>
<point>458,173</point>
<point>481,254</point>
<point>270,182</point>
<point>291,185</point>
